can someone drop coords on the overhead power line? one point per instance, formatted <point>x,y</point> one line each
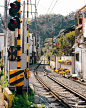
<point>43,7</point>
<point>38,2</point>
<point>50,5</point>
<point>53,6</point>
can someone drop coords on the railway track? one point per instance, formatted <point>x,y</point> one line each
<point>51,100</point>
<point>66,95</point>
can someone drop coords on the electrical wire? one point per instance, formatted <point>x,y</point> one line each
<point>43,7</point>
<point>38,2</point>
<point>53,6</point>
<point>50,5</point>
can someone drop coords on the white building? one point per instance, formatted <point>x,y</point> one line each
<point>80,43</point>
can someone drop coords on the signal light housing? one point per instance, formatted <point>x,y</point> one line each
<point>15,6</point>
<point>14,23</point>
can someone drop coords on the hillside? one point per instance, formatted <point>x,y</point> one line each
<point>44,26</point>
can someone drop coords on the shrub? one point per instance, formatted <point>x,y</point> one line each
<point>1,73</point>
<point>21,101</point>
<point>4,82</point>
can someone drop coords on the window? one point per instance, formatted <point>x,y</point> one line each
<point>77,57</point>
<point>84,14</point>
<point>84,39</point>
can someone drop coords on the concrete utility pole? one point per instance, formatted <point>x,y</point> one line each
<point>39,47</point>
<point>6,36</point>
<point>5,13</point>
<point>52,35</point>
<point>23,27</point>
<point>36,28</point>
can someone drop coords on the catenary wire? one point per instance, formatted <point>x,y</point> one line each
<point>38,2</point>
<point>53,6</point>
<point>50,5</point>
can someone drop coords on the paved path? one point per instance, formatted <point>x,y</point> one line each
<point>1,98</point>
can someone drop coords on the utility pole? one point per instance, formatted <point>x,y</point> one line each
<point>36,28</point>
<point>5,20</point>
<point>39,48</point>
<point>23,27</point>
<point>6,36</point>
<point>52,35</point>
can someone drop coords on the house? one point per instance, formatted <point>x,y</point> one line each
<point>80,42</point>
<point>62,32</point>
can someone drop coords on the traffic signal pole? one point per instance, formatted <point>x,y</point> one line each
<point>27,42</point>
<point>19,89</point>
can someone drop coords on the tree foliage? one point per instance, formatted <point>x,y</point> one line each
<point>44,26</point>
<point>47,49</point>
<point>66,42</point>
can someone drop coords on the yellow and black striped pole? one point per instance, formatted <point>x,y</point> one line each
<point>19,42</point>
<point>27,34</point>
<point>19,89</point>
<point>27,58</point>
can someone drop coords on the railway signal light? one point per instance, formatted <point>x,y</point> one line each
<point>12,53</point>
<point>14,22</point>
<point>15,6</point>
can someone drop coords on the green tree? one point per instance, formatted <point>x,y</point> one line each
<point>66,42</point>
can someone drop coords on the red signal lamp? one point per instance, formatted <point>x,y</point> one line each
<point>15,7</point>
<point>15,23</point>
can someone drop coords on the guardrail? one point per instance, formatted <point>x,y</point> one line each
<point>8,97</point>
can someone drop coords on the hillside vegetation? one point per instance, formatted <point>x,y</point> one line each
<point>45,22</point>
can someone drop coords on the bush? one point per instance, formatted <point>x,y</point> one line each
<point>1,73</point>
<point>21,101</point>
<point>4,82</point>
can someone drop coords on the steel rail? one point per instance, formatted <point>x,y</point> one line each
<point>68,88</point>
<point>49,89</point>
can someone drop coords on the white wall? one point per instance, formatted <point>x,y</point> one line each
<point>66,66</point>
<point>1,41</point>
<point>52,63</point>
<point>57,63</point>
<point>77,63</point>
